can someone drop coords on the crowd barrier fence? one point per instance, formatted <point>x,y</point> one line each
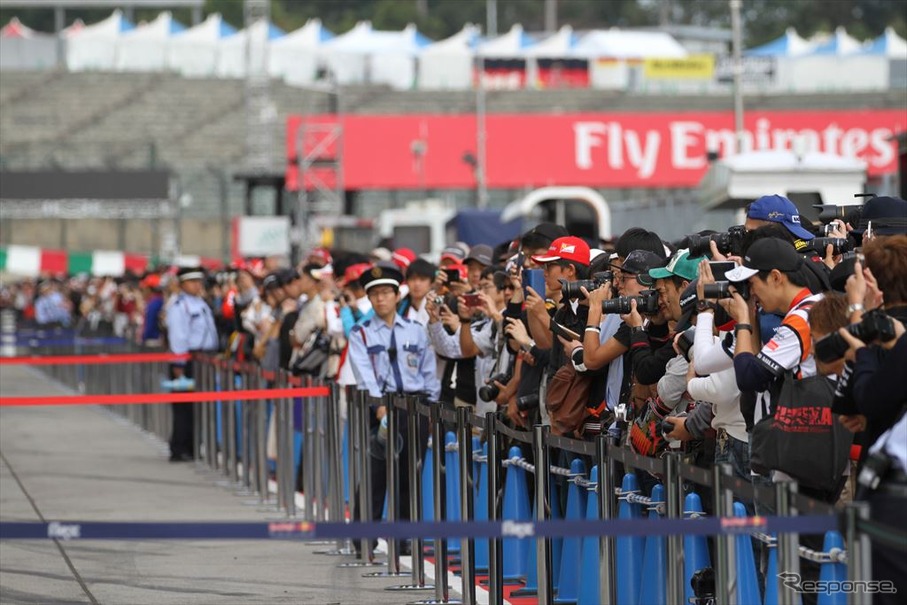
<point>457,478</point>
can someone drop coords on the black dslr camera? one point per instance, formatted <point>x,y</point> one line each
<point>646,303</point>
<point>730,242</point>
<point>490,390</point>
<point>571,289</point>
<point>875,326</point>
<point>722,289</point>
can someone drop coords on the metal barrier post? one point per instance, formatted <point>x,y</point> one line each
<point>247,410</point>
<point>674,510</point>
<point>495,551</point>
<point>334,449</point>
<point>725,564</point>
<point>467,504</point>
<point>542,505</point>
<point>788,544</point>
<point>211,413</point>
<point>261,449</point>
<point>230,426</point>
<point>358,406</point>
<point>607,505</point>
<point>859,556</point>
<point>288,468</point>
<point>308,456</point>
<point>414,452</point>
<point>442,590</point>
<point>335,460</point>
<point>318,446</point>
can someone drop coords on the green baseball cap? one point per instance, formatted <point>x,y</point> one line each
<point>680,265</point>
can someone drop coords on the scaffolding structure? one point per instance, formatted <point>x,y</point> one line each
<point>319,152</point>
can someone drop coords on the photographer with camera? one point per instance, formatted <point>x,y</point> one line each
<point>774,274</point>
<point>783,375</point>
<point>877,348</point>
<point>483,313</point>
<point>607,337</point>
<point>571,388</point>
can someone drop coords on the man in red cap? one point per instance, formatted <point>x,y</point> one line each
<point>403,258</point>
<point>567,260</point>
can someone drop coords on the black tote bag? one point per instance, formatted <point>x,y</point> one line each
<point>802,437</point>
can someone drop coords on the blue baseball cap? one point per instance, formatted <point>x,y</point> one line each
<point>779,209</point>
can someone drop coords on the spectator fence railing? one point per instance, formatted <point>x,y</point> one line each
<point>451,477</point>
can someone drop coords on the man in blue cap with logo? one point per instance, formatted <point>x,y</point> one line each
<point>778,209</point>
<point>390,354</point>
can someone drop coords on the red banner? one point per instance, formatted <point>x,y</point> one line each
<point>658,149</point>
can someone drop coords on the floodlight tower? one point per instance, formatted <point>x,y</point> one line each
<point>261,115</point>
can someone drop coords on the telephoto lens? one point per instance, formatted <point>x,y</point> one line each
<point>572,289</point>
<point>527,402</point>
<point>722,289</point>
<point>646,304</point>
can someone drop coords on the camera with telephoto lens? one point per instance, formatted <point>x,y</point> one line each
<point>830,212</point>
<point>571,289</point>
<point>527,402</point>
<point>838,245</point>
<point>490,391</point>
<point>875,326</point>
<point>729,242</point>
<point>722,289</point>
<point>646,303</point>
<point>685,342</point>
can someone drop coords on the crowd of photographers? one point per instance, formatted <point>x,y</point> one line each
<point>775,348</point>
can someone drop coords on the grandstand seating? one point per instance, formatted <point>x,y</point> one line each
<point>196,127</point>
<point>79,120</point>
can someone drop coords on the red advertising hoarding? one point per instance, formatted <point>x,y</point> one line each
<point>606,150</point>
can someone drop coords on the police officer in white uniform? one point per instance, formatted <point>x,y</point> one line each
<point>390,354</point>
<point>190,328</point>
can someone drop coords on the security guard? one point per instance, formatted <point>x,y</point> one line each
<point>390,354</point>
<point>190,327</point>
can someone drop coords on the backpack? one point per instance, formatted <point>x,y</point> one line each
<point>566,399</point>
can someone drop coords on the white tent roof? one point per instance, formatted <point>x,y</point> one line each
<point>622,44</point>
<point>365,40</point>
<point>16,29</point>
<point>788,45</point>
<point>210,30</point>
<point>512,44</point>
<point>256,31</point>
<point>839,43</point>
<point>111,27</point>
<point>163,26</point>
<point>561,44</point>
<point>464,41</point>
<point>310,35</point>
<point>889,44</point>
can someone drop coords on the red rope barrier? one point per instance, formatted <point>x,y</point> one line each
<point>94,359</point>
<point>187,397</point>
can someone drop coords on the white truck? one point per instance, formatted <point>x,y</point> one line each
<point>428,226</point>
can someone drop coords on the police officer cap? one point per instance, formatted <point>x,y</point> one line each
<point>381,275</point>
<point>190,273</point>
